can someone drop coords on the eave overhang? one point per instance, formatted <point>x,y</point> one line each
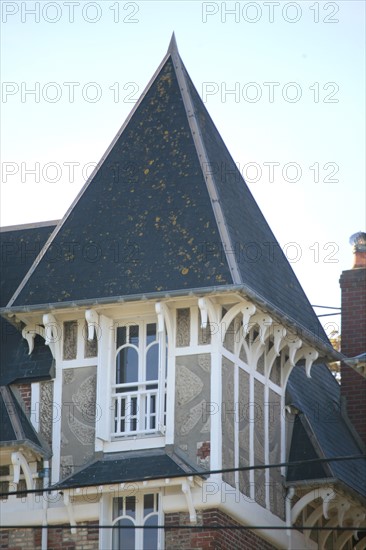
<point>327,351</point>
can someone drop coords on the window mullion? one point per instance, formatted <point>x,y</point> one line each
<point>142,377</point>
<point>161,382</point>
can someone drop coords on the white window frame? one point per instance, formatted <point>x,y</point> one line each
<point>139,519</point>
<point>142,396</point>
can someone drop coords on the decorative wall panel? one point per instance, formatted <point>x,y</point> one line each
<point>78,418</point>
<point>192,397</point>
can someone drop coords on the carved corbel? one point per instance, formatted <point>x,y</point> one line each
<point>210,313</point>
<point>327,494</point>
<point>293,349</point>
<point>186,488</point>
<point>52,332</point>
<point>202,304</point>
<point>92,318</point>
<point>248,311</point>
<point>257,348</point>
<point>279,334</point>
<point>160,313</point>
<point>310,355</point>
<point>164,319</point>
<point>264,322</point>
<point>358,517</point>
<point>342,507</point>
<point>29,333</point>
<point>50,328</point>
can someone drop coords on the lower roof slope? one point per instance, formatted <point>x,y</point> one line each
<point>20,245</point>
<point>126,467</point>
<point>318,399</point>
<point>16,428</point>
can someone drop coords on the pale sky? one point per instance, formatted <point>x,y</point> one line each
<point>283,81</point>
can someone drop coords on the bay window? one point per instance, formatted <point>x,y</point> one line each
<point>138,392</point>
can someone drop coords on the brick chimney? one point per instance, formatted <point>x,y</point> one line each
<point>353,333</point>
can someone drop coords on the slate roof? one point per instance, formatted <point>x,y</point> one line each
<point>321,430</point>
<point>126,467</point>
<point>16,428</point>
<point>20,246</point>
<point>163,213</point>
<point>16,365</point>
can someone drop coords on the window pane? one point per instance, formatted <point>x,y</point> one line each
<point>131,506</point>
<point>126,366</point>
<point>124,539</point>
<point>150,333</point>
<point>121,337</point>
<point>134,335</point>
<point>148,504</point>
<point>151,535</point>
<point>152,363</point>
<point>117,507</point>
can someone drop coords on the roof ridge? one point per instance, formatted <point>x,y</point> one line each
<point>204,163</point>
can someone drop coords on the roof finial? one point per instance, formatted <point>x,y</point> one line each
<point>173,48</point>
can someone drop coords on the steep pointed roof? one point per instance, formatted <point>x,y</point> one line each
<point>166,210</point>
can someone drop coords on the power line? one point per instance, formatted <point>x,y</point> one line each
<point>327,307</point>
<point>203,527</point>
<point>203,473</point>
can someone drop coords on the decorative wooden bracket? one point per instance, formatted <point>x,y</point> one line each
<point>20,462</point>
<point>29,333</point>
<point>92,318</point>
<point>186,488</point>
<point>165,319</point>
<point>326,494</point>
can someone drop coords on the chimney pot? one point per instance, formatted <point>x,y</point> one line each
<point>358,242</point>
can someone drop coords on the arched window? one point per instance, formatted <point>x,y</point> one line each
<point>131,511</point>
<point>138,391</point>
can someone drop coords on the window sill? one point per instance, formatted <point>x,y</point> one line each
<point>135,442</point>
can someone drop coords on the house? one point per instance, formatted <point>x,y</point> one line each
<point>161,363</point>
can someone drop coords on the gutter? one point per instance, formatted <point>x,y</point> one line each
<point>320,343</point>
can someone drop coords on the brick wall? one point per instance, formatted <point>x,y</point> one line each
<point>175,539</point>
<point>25,393</point>
<point>210,539</point>
<point>353,339</point>
<point>58,539</point>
